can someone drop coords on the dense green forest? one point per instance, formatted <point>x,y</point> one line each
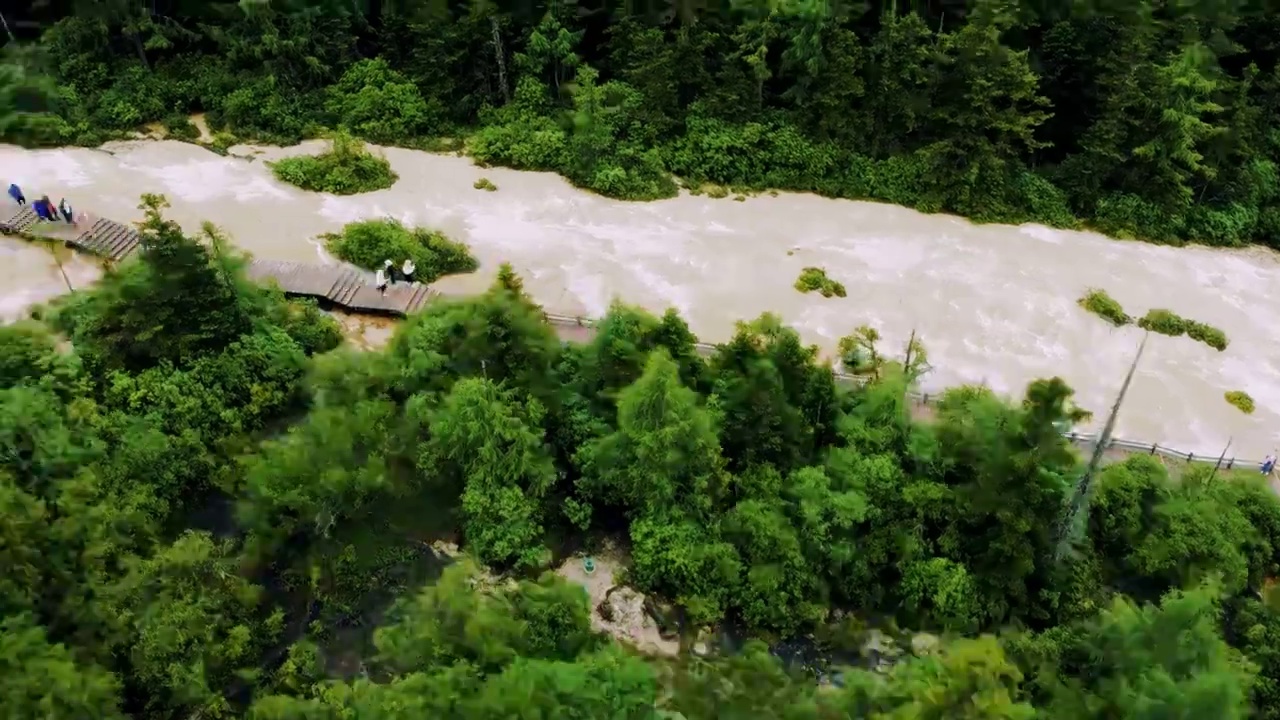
<point>209,507</point>
<point>1147,118</point>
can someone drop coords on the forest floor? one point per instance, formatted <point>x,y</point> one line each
<point>624,614</point>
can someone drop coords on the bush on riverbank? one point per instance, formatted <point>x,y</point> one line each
<point>1167,322</point>
<point>1241,400</point>
<point>347,168</point>
<point>815,279</point>
<point>369,243</point>
<point>1104,306</point>
<point>484,184</point>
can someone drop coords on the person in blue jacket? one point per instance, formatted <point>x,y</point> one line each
<point>42,210</point>
<point>15,192</point>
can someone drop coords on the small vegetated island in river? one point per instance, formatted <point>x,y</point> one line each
<point>1241,400</point>
<point>1104,306</point>
<point>1167,322</point>
<point>348,167</point>
<point>370,243</point>
<point>814,279</point>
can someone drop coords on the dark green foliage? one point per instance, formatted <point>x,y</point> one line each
<point>346,168</point>
<point>1115,117</point>
<point>198,501</point>
<point>370,243</point>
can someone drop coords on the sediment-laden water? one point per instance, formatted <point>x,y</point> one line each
<point>994,303</point>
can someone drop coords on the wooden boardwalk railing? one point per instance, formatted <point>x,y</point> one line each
<point>342,285</point>
<point>100,236</point>
<point>1117,448</point>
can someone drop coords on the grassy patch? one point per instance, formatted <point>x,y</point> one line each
<point>1241,400</point>
<point>812,278</point>
<point>180,127</point>
<point>348,168</point>
<point>1104,306</point>
<point>484,184</point>
<point>370,243</point>
<point>1167,322</point>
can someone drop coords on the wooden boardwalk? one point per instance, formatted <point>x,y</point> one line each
<point>100,236</point>
<point>342,285</point>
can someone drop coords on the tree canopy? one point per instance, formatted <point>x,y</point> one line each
<point>1149,118</point>
<point>209,506</point>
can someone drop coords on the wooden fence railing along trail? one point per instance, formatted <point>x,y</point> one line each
<point>352,289</point>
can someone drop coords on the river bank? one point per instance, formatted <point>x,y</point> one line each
<point>994,304</point>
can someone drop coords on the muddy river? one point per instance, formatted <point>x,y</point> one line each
<point>994,303</point>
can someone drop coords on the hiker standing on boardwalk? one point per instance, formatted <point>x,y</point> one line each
<point>43,209</point>
<point>380,281</point>
<point>15,192</point>
<point>65,209</point>
<point>407,271</point>
<point>390,270</point>
<point>1269,464</point>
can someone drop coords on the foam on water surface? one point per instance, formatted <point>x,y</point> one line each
<point>991,302</point>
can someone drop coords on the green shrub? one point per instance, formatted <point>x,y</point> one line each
<point>370,243</point>
<point>1104,306</point>
<point>812,278</point>
<point>314,330</point>
<point>1167,322</point>
<point>179,127</point>
<point>1241,400</point>
<point>602,145</point>
<point>1207,334</point>
<point>484,184</point>
<point>347,168</point>
<point>381,105</point>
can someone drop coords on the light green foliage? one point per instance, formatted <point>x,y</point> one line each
<point>815,279</point>
<point>141,320</point>
<point>665,452</point>
<point>370,243</point>
<point>1104,306</point>
<point>1166,322</point>
<point>858,352</point>
<point>1241,399</point>
<point>346,168</point>
<point>380,104</point>
<point>481,441</point>
<point>1168,659</point>
<point>485,184</point>
<point>193,620</point>
<point>44,679</point>
<point>970,678</point>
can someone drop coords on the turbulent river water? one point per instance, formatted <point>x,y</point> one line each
<point>993,303</point>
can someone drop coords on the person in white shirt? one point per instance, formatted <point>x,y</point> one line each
<point>407,270</point>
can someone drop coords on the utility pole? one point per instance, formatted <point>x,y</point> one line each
<point>7,31</point>
<point>1078,505</point>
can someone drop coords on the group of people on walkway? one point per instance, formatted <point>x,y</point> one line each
<point>387,275</point>
<point>44,206</point>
